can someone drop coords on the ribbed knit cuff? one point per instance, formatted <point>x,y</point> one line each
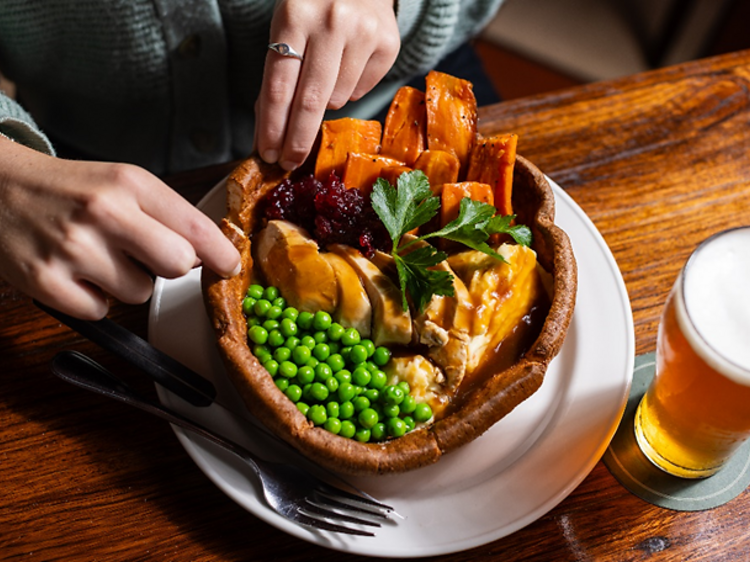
<point>408,13</point>
<point>17,125</point>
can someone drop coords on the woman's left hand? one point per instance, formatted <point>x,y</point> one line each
<point>348,46</point>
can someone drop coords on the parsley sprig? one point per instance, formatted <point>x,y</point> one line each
<point>412,204</point>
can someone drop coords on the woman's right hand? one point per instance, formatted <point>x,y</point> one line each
<point>73,233</point>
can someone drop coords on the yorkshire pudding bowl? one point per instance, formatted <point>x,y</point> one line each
<point>483,405</point>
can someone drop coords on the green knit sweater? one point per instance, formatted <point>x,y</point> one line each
<point>170,84</point>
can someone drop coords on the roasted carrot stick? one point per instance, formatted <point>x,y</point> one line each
<point>405,126</point>
<point>339,137</point>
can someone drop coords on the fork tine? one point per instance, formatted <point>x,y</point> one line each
<point>337,494</point>
<point>328,502</point>
<point>322,524</point>
<point>313,507</point>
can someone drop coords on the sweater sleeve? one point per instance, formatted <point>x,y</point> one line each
<point>430,29</point>
<point>17,125</point>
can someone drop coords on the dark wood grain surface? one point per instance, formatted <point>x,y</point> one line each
<point>659,161</point>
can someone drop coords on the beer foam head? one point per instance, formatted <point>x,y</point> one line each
<point>716,314</point>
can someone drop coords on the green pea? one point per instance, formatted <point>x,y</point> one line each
<point>292,342</point>
<point>321,351</point>
<point>271,366</point>
<point>422,412</point>
<point>261,307</point>
<point>280,302</point>
<point>294,392</point>
<point>367,418</point>
<point>301,354</point>
<point>381,356</point>
<point>351,337</point>
<point>378,432</point>
<point>391,410</point>
<point>335,331</point>
<point>253,321</point>
<point>393,394</point>
<point>408,405</point>
<point>303,407</point>
<point>308,341</point>
<point>322,320</point>
<point>372,367</point>
<point>361,376</point>
<point>275,338</point>
<point>372,394</point>
<point>345,353</point>
<point>332,409</point>
<point>288,327</point>
<point>346,392</point>
<point>288,369</point>
<point>270,324</point>
<point>319,391</point>
<point>291,313</point>
<point>404,385</point>
<point>281,383</point>
<point>258,334</point>
<point>346,410</point>
<point>262,353</point>
<point>282,354</point>
<point>274,312</point>
<point>306,389</point>
<point>348,429</point>
<point>378,380</point>
<point>317,414</point>
<point>270,293</point>
<point>305,374</point>
<point>322,372</point>
<point>333,425</point>
<point>369,346</point>
<point>396,427</point>
<point>358,354</point>
<point>255,291</point>
<point>334,346</point>
<point>313,362</point>
<point>320,337</point>
<point>335,362</point>
<point>362,435</point>
<point>332,384</point>
<point>360,403</point>
<point>410,423</point>
<point>344,375</point>
<point>247,305</point>
<point>305,320</point>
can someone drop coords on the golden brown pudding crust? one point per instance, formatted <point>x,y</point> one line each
<point>533,201</point>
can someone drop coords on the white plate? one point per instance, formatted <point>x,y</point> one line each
<point>512,475</point>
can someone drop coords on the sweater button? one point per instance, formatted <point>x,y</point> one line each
<point>190,47</point>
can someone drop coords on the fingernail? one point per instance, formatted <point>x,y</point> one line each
<point>236,271</point>
<point>270,156</point>
<point>288,166</point>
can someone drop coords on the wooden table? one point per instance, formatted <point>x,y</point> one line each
<point>659,161</point>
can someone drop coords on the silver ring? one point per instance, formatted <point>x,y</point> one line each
<point>284,50</point>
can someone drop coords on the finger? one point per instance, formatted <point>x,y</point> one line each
<point>353,64</point>
<point>316,83</point>
<point>280,77</point>
<point>78,298</point>
<point>169,236</point>
<point>375,70</point>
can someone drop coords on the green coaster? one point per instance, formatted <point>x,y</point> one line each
<point>635,472</point>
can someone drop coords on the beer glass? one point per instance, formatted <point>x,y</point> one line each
<point>696,412</point>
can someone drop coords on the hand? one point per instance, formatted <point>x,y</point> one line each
<point>348,46</point>
<point>72,232</point>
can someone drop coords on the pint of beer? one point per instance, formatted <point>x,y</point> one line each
<point>697,411</point>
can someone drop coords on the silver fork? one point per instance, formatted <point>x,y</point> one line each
<point>290,491</point>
